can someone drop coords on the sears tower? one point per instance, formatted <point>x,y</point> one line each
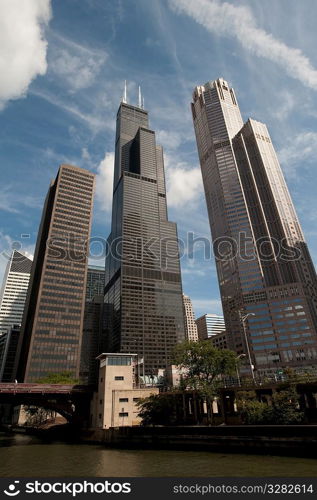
<point>266,275</point>
<point>143,309</point>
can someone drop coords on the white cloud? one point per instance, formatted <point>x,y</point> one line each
<point>76,64</point>
<point>184,184</point>
<point>286,105</point>
<point>170,139</point>
<point>204,306</point>
<point>11,200</point>
<point>104,182</point>
<point>237,21</point>
<point>85,154</point>
<point>298,152</point>
<point>22,45</point>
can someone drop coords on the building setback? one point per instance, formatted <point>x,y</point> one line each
<point>143,293</point>
<point>14,290</point>
<point>51,333</point>
<point>190,324</point>
<point>209,325</point>
<point>265,272</point>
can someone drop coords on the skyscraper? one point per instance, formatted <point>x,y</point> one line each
<point>266,275</point>
<point>51,333</point>
<point>143,294</point>
<point>209,325</point>
<point>190,324</point>
<point>95,282</point>
<point>14,289</point>
<point>93,338</point>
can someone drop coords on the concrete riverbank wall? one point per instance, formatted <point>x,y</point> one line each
<point>296,440</point>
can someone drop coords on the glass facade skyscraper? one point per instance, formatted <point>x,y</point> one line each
<point>265,272</point>
<point>14,290</point>
<point>143,310</point>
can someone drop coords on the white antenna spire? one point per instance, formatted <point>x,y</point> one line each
<point>140,98</point>
<point>124,97</point>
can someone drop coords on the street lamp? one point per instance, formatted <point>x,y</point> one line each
<point>244,319</point>
<point>237,370</point>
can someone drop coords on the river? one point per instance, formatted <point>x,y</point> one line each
<point>28,456</point>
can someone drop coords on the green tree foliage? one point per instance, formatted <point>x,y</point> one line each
<point>62,378</point>
<point>204,364</point>
<point>282,409</point>
<point>157,409</point>
<point>204,367</point>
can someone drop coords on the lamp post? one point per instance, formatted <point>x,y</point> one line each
<point>244,319</point>
<point>237,370</point>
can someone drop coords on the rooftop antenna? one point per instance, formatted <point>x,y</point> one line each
<point>142,102</point>
<point>124,97</point>
<point>140,98</point>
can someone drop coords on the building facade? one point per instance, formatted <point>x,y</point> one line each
<point>115,403</point>
<point>190,324</point>
<point>209,325</point>
<point>143,293</point>
<point>8,351</point>
<point>51,333</point>
<point>95,282</point>
<point>266,275</point>
<point>14,290</point>
<point>219,341</point>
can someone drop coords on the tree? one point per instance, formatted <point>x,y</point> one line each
<point>62,378</point>
<point>283,409</point>
<point>204,366</point>
<point>157,409</point>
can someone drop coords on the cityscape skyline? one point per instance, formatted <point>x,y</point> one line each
<point>67,113</point>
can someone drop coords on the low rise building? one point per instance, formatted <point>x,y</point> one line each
<point>115,402</point>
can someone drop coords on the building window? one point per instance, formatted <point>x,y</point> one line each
<point>119,377</point>
<point>119,361</point>
<point>123,414</point>
<point>136,399</point>
<point>123,400</point>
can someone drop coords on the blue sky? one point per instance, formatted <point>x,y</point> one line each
<point>62,68</point>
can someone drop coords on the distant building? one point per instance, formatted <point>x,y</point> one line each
<point>92,344</point>
<point>14,290</point>
<point>95,282</point>
<point>190,324</point>
<point>8,349</point>
<point>51,332</point>
<point>209,325</point>
<point>115,403</point>
<point>219,340</point>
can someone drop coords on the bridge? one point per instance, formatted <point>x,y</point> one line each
<point>71,401</point>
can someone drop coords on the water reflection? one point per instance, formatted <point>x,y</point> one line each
<point>27,456</point>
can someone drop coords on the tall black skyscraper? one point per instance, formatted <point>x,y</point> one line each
<point>143,294</point>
